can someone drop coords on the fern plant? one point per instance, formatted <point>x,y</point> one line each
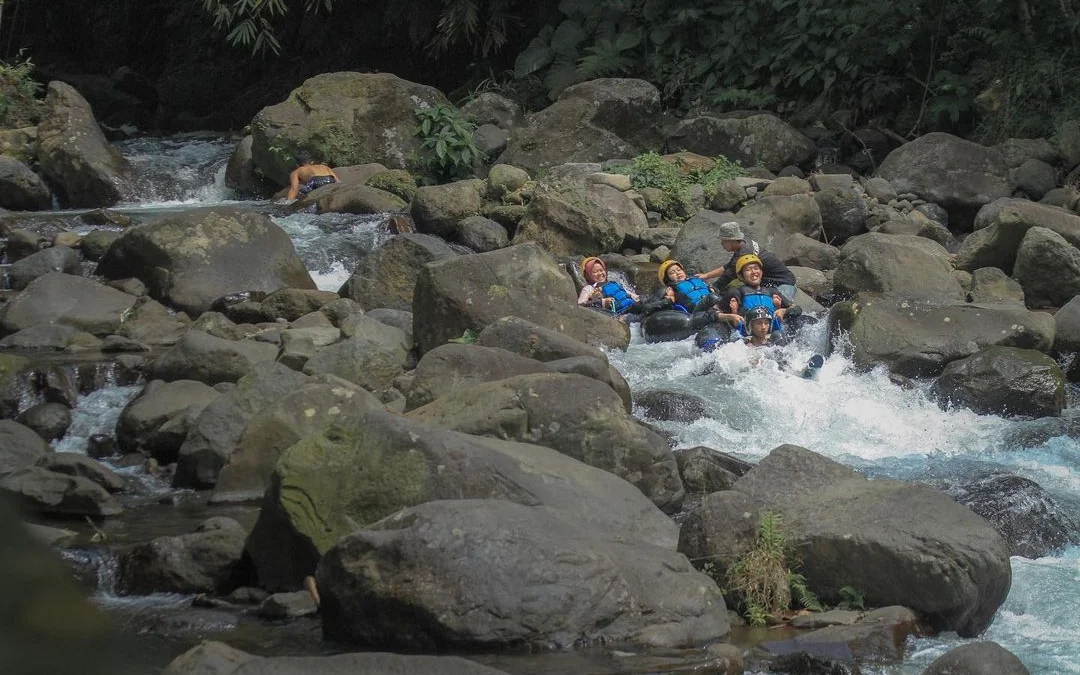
<point>446,140</point>
<point>18,94</point>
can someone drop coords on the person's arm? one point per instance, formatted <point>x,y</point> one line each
<point>294,184</point>
<point>586,295</point>
<point>730,318</point>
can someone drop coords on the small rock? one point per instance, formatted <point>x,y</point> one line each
<point>288,605</point>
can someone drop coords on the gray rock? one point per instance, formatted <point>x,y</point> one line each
<point>22,189</point>
<point>870,534</point>
<point>398,318</point>
<point>880,189</point>
<point>53,259</point>
<point>367,361</point>
<point>757,139</point>
<point>490,139</point>
<point>1018,150</point>
<point>192,258</point>
<point>1002,225</point>
<point>703,472</point>
<point>292,303</point>
<point>543,579</point>
<point>21,243</point>
<point>240,174</point>
<point>918,339</point>
<point>437,209</point>
<point>991,285</point>
<point>663,405</point>
<point>38,489</point>
<point>959,175</point>
<point>878,637</point>
<point>75,464</point>
<point>387,277</point>
<point>1067,140</point>
<point>977,658</point>
<point>491,108</point>
<point>1004,381</point>
<point>482,234</point>
<point>217,658</point>
<point>843,207</point>
<point>67,300</point>
<point>356,472</point>
<point>1067,327</point>
<point>806,252</point>
<point>201,562</point>
<point>48,420</point>
<point>288,605</point>
<point>205,358</point>
<point>49,337</point>
<point>20,447</point>
<point>572,221</point>
<point>74,155</point>
<point>902,265</point>
<point>1047,268</point>
<point>1034,178</point>
<point>575,415</point>
<point>140,423</point>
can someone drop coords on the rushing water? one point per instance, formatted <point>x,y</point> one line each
<point>856,417</point>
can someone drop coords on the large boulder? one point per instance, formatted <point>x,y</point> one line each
<point>576,415</point>
<point>204,561</point>
<point>590,122</point>
<point>74,155</point>
<point>1032,522</point>
<point>387,276</point>
<point>371,361</point>
<point>533,576</point>
<point>352,198</point>
<point>896,542</point>
<point>217,430</point>
<point>342,119</point>
<point>20,447</point>
<point>146,424</point>
<point>68,300</point>
<point>205,358</point>
<point>918,339</point>
<point>958,175</point>
<point>192,258</point>
<point>437,209</point>
<point>20,188</point>
<point>452,367</point>
<point>218,658</point>
<point>358,471</point>
<point>76,464</point>
<point>1000,227</point>
<point>977,658</point>
<point>1048,268</point>
<point>898,264</point>
<point>1004,381</point>
<point>843,206</point>
<point>470,292</point>
<point>241,174</point>
<point>760,139</point>
<point>1067,327</point>
<point>274,428</point>
<point>575,221</point>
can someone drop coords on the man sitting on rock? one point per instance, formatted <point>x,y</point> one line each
<point>309,176</point>
<point>775,273</point>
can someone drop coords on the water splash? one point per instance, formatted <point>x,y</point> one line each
<point>331,244</point>
<point>186,169</point>
<point>96,413</point>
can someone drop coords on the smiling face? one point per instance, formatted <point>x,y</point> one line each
<point>597,274</point>
<point>676,273</point>
<point>751,275</point>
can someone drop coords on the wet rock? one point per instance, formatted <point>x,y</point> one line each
<point>352,198</point>
<point>241,174</point>
<point>68,300</point>
<point>74,464</point>
<point>51,493</point>
<point>50,337</point>
<point>671,406</point>
<point>201,562</point>
<point>74,155</point>
<point>1004,381</point>
<point>21,243</point>
<point>907,266</point>
<point>387,277</point>
<point>575,415</point>
<point>191,258</point>
<point>101,445</point>
<point>49,420</point>
<point>369,466</point>
<point>153,324</point>
<point>977,658</point>
<point>1030,520</point>
<point>878,636</point>
<point>288,605</point>
<point>20,447</point>
<point>205,358</point>
<point>537,563</point>
<point>140,424</point>
<point>247,595</point>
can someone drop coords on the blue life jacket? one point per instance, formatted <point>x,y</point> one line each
<point>760,298</point>
<point>615,291</point>
<point>690,292</point>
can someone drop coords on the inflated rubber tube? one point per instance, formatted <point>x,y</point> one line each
<point>669,325</point>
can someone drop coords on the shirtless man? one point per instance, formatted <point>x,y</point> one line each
<point>309,176</point>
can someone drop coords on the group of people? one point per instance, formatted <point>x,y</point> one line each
<point>756,312</point>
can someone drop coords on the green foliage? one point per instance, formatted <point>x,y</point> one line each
<point>467,338</point>
<point>19,106</point>
<point>763,579</point>
<point>652,170</point>
<point>446,140</point>
<point>851,598</point>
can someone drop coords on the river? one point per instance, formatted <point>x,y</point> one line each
<point>859,418</point>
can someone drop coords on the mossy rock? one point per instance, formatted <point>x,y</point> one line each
<point>506,215</point>
<point>395,181</point>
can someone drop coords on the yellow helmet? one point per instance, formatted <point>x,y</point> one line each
<point>745,260</point>
<point>587,263</point>
<point>662,272</point>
